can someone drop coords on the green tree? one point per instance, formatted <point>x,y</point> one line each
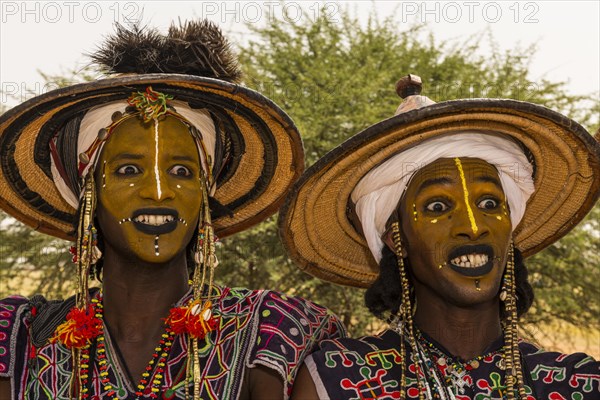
<point>337,78</point>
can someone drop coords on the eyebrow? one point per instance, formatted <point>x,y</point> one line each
<point>127,156</point>
<point>131,156</point>
<point>434,181</point>
<point>183,158</point>
<point>488,179</point>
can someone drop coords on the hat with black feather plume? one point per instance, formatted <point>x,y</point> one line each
<point>258,152</point>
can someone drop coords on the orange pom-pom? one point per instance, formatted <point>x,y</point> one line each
<point>192,319</point>
<point>79,329</point>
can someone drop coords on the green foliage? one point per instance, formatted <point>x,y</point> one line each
<point>565,276</point>
<point>335,79</point>
<point>31,262</point>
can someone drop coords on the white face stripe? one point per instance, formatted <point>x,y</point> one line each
<point>156,171</point>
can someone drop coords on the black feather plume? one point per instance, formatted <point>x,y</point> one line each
<point>192,48</point>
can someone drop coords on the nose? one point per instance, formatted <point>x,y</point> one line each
<point>468,225</point>
<point>156,186</point>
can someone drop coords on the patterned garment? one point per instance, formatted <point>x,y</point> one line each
<point>256,328</point>
<point>369,368</point>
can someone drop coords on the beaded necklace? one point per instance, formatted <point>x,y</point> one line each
<point>145,386</point>
<point>84,327</point>
<point>450,377</point>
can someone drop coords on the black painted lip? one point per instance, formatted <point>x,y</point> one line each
<point>470,249</point>
<point>155,229</point>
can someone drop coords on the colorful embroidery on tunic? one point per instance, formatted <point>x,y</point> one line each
<point>369,368</point>
<point>255,327</point>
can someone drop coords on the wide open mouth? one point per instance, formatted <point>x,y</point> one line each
<point>472,260</point>
<point>155,221</point>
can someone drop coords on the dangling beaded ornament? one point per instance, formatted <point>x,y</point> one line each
<point>196,318</point>
<point>405,323</point>
<point>82,324</point>
<point>512,357</point>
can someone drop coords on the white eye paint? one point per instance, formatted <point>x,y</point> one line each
<point>156,171</point>
<point>178,186</point>
<point>131,184</point>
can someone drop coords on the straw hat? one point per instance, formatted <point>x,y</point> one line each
<point>316,220</point>
<point>194,64</point>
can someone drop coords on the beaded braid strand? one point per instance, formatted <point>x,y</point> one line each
<point>406,316</point>
<point>87,255</point>
<point>206,261</point>
<point>514,371</point>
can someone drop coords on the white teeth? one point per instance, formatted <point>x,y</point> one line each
<point>470,260</point>
<point>153,219</point>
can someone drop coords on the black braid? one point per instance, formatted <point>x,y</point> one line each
<point>384,295</point>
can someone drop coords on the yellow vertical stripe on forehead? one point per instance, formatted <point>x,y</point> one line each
<point>466,192</point>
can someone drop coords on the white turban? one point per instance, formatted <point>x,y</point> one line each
<point>377,194</point>
<point>100,117</point>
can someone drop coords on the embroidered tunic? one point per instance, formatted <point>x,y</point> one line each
<point>255,328</point>
<point>369,368</point>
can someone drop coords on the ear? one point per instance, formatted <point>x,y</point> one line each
<point>389,241</point>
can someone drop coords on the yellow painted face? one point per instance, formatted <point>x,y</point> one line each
<point>149,190</point>
<point>456,229</point>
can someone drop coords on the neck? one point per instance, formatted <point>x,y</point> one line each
<point>137,296</point>
<point>465,332</point>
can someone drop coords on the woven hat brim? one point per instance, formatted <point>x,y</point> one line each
<point>314,223</point>
<point>269,150</point>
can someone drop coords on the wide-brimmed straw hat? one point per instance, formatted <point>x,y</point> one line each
<point>316,223</point>
<point>265,154</point>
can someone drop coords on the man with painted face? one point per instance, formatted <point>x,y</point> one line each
<point>149,167</point>
<point>433,211</point>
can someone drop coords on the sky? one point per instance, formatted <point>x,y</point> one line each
<point>52,36</point>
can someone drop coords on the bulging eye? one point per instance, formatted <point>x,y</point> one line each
<point>180,170</point>
<point>128,169</point>
<point>488,204</point>
<point>437,206</point>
